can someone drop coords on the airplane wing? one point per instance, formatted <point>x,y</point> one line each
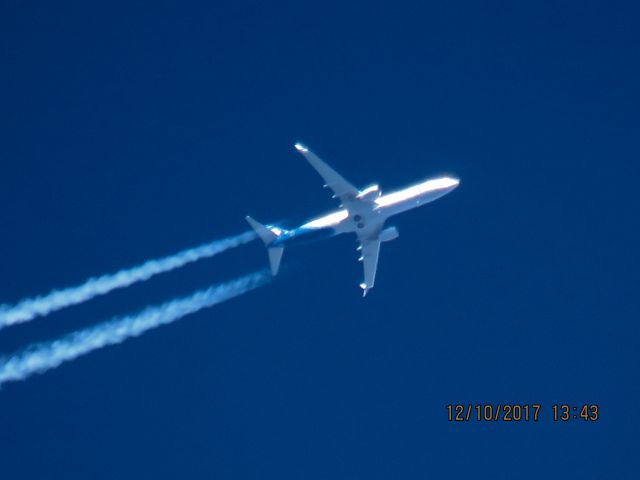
<point>341,188</point>
<point>370,250</point>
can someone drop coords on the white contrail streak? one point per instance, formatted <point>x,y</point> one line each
<point>41,357</point>
<point>30,308</point>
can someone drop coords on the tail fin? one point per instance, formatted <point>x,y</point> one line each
<point>268,235</point>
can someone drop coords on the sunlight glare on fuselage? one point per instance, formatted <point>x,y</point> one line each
<point>328,220</point>
<point>416,190</point>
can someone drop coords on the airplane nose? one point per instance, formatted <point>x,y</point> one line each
<point>451,182</point>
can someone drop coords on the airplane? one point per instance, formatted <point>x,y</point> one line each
<point>363,212</point>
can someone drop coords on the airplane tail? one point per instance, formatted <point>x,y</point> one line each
<point>268,235</point>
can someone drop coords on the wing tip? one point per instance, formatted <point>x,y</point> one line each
<point>301,147</point>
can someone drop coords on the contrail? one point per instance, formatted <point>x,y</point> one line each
<point>41,357</point>
<point>30,308</point>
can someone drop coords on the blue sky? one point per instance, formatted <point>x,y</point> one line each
<point>131,132</point>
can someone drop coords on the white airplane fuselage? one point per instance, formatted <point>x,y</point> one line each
<point>371,217</point>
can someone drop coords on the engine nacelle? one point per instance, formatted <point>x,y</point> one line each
<point>369,194</point>
<point>388,234</point>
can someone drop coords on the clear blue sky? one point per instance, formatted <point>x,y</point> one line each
<point>133,130</point>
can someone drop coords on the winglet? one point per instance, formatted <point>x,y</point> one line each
<point>364,288</point>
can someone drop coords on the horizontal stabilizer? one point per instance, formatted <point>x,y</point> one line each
<point>275,256</point>
<point>267,235</point>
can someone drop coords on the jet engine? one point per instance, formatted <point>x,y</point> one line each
<point>388,234</point>
<point>369,194</point>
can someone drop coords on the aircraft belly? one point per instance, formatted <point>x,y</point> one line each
<point>304,235</point>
